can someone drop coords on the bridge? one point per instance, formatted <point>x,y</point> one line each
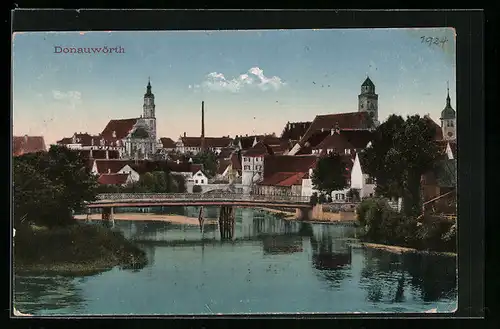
<point>115,200</point>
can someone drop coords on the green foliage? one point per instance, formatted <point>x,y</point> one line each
<point>197,189</point>
<point>74,244</point>
<point>209,161</point>
<point>400,153</point>
<point>314,200</point>
<point>329,174</point>
<point>49,186</point>
<point>353,194</point>
<point>382,224</point>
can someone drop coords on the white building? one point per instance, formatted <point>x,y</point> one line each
<point>358,180</point>
<point>252,166</point>
<point>199,178</point>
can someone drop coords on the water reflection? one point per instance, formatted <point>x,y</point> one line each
<point>49,293</point>
<point>331,256</point>
<point>390,277</point>
<point>267,256</point>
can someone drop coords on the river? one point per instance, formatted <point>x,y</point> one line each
<point>272,266</point>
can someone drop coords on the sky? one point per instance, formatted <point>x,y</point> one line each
<point>252,82</point>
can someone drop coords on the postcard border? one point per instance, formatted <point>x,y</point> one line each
<point>470,100</point>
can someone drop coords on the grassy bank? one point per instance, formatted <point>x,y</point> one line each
<point>380,225</point>
<point>77,248</point>
<point>401,250</point>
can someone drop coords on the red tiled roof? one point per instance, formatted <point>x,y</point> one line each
<point>121,127</point>
<point>336,141</point>
<point>345,121</point>
<point>288,163</point>
<point>236,161</point>
<point>112,179</point>
<point>295,179</point>
<point>27,144</point>
<point>167,143</point>
<point>210,142</point>
<point>195,167</point>
<point>111,166</point>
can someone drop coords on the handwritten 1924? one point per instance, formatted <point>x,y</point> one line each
<point>434,41</point>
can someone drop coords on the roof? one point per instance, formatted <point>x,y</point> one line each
<point>258,150</point>
<point>247,141</point>
<point>295,130</point>
<point>225,153</point>
<point>167,143</point>
<point>222,165</point>
<point>210,142</point>
<point>140,132</point>
<point>236,160</point>
<point>357,139</point>
<point>27,144</point>
<point>437,128</point>
<point>105,166</point>
<point>368,83</point>
<point>86,139</point>
<point>194,168</point>
<point>113,179</point>
<point>344,121</point>
<point>288,163</point>
<point>121,127</point>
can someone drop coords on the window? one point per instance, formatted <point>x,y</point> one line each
<point>245,159</point>
<point>196,181</point>
<point>369,180</point>
<point>202,181</point>
<point>347,151</point>
<point>246,167</point>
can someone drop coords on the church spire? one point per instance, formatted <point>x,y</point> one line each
<point>448,100</point>
<point>148,88</point>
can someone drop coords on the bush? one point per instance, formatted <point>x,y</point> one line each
<point>197,189</point>
<point>353,194</point>
<point>313,200</point>
<point>78,244</point>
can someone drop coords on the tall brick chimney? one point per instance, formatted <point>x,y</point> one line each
<point>203,126</point>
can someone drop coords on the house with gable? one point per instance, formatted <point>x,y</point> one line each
<point>283,174</point>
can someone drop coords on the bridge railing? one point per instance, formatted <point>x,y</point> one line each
<point>201,197</point>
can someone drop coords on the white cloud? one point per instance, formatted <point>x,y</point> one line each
<point>72,97</point>
<point>254,77</point>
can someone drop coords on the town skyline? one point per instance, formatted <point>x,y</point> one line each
<point>252,82</point>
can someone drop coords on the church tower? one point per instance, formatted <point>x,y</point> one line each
<point>448,120</point>
<point>368,99</point>
<point>149,111</point>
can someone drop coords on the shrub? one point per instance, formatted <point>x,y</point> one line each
<point>197,189</point>
<point>313,200</point>
<point>353,194</point>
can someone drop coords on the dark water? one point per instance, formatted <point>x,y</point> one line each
<point>272,266</point>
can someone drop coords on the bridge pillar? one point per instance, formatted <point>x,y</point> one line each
<point>226,222</point>
<point>304,213</point>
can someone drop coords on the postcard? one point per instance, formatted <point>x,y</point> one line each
<point>234,172</point>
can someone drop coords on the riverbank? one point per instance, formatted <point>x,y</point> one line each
<point>400,250</point>
<point>76,249</point>
<point>175,219</point>
<point>325,218</point>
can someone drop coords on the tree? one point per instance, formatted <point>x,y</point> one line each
<point>209,161</point>
<point>49,186</point>
<point>197,189</point>
<point>330,174</point>
<point>400,153</point>
<point>353,194</point>
<point>178,184</point>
